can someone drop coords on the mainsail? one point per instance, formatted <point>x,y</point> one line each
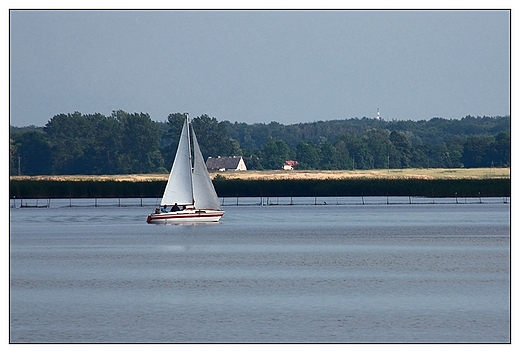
<point>179,188</point>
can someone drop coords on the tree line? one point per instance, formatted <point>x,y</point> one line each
<point>126,143</point>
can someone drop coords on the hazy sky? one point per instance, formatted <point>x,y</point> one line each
<point>260,66</point>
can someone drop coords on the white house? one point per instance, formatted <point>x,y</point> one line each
<point>226,163</point>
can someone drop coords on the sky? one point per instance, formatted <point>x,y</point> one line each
<point>258,66</point>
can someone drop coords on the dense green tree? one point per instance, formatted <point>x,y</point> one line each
<point>84,144</point>
<point>102,155</point>
<point>133,143</point>
<point>69,135</point>
<point>501,152</point>
<point>31,153</point>
<point>212,137</point>
<point>419,159</point>
<point>307,156</point>
<point>436,156</point>
<point>252,160</point>
<point>358,151</point>
<point>342,158</point>
<point>487,151</point>
<point>328,157</point>
<point>233,148</point>
<point>139,143</point>
<point>378,144</point>
<point>477,152</point>
<point>402,154</point>
<point>274,154</point>
<point>13,157</point>
<point>455,147</point>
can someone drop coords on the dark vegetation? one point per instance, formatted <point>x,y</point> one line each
<point>129,143</point>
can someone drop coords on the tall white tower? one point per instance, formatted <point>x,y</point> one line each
<point>378,115</point>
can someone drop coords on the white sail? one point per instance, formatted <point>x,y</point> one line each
<point>203,190</point>
<point>179,188</point>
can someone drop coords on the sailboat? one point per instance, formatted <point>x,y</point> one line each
<point>189,195</point>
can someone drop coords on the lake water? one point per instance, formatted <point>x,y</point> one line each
<point>301,273</point>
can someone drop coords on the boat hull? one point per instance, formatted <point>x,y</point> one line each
<point>188,216</point>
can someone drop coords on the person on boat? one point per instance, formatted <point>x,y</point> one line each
<point>163,209</point>
<point>175,208</point>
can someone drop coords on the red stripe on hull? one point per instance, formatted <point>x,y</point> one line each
<point>193,217</point>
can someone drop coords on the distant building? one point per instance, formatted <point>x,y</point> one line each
<point>289,165</point>
<point>226,163</point>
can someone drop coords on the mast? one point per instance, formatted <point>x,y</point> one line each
<point>188,124</point>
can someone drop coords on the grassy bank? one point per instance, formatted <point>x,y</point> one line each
<point>402,182</point>
<point>392,174</point>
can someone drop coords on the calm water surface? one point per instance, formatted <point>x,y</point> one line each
<point>335,273</point>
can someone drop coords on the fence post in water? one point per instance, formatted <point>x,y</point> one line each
<point>456,199</point>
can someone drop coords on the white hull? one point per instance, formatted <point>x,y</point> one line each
<point>188,216</point>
